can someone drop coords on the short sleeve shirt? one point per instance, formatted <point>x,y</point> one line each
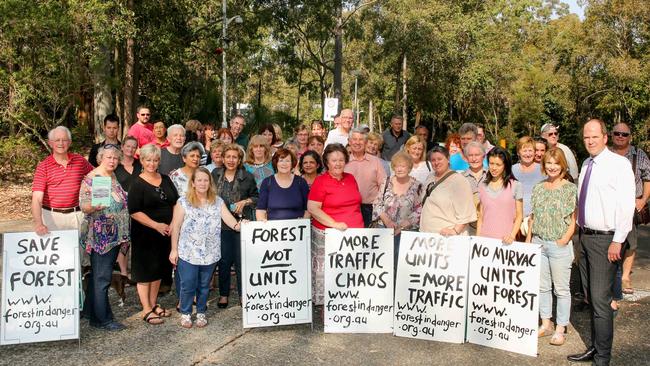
<point>340,199</point>
<point>60,185</point>
<point>142,134</point>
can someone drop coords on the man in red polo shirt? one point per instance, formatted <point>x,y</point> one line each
<point>55,190</point>
<point>143,130</point>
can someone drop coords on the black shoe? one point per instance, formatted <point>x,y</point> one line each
<point>588,355</point>
<point>222,305</point>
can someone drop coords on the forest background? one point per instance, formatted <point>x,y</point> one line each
<point>511,65</point>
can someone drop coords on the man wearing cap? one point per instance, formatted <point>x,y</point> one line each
<point>551,134</point>
<point>394,137</point>
<point>605,211</point>
<point>621,138</point>
<point>55,189</point>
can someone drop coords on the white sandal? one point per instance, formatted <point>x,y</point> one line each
<point>186,321</point>
<point>201,320</point>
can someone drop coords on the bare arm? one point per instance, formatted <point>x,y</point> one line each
<point>229,219</point>
<point>529,232</point>
<point>641,202</point>
<point>315,209</point>
<point>519,216</point>
<point>261,215</point>
<point>177,221</point>
<point>479,220</point>
<point>37,213</point>
<point>145,220</point>
<point>564,240</point>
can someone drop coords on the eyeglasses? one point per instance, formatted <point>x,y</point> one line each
<point>162,194</point>
<point>621,134</point>
<point>553,133</point>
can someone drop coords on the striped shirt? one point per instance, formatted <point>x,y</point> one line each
<point>60,185</point>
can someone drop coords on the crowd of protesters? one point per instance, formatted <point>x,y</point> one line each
<point>179,195</point>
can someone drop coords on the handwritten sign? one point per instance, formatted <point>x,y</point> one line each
<point>359,281</point>
<point>503,295</point>
<point>40,287</point>
<point>276,268</point>
<point>431,288</point>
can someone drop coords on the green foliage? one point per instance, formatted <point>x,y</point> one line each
<point>18,157</point>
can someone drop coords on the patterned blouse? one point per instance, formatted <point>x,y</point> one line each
<point>103,230</point>
<point>399,207</point>
<point>180,181</point>
<point>260,171</point>
<point>552,209</point>
<point>199,242</point>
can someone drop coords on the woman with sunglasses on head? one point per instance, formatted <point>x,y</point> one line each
<point>151,201</point>
<point>104,232</point>
<point>500,209</point>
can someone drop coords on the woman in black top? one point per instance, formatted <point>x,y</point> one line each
<point>151,201</point>
<point>130,167</point>
<point>237,188</point>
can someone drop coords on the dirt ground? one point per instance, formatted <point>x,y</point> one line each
<point>15,200</point>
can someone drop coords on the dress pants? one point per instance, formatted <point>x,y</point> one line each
<point>230,253</point>
<point>598,274</point>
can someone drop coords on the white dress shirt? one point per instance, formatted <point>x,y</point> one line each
<point>610,196</point>
<point>336,135</point>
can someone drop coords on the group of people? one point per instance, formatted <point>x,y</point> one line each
<point>180,194</point>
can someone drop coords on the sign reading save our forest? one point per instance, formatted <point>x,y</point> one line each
<point>40,287</point>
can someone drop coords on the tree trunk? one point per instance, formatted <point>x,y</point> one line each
<point>119,94</point>
<point>129,79</point>
<point>371,122</point>
<point>404,115</point>
<point>302,61</point>
<point>102,98</point>
<point>338,55</point>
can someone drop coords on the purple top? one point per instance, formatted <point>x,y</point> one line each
<point>283,203</point>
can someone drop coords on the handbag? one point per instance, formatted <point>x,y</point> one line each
<point>376,224</point>
<point>640,217</point>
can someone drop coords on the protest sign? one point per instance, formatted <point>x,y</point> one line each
<point>359,281</point>
<point>276,273</point>
<point>431,288</point>
<point>40,287</point>
<point>503,295</point>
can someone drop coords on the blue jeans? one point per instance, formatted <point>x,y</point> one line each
<point>96,305</point>
<point>555,271</point>
<point>195,281</point>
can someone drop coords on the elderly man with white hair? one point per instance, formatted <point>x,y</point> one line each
<point>552,135</point>
<point>170,157</point>
<point>55,189</point>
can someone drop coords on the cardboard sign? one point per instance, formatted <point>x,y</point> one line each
<point>40,287</point>
<point>503,295</point>
<point>276,273</point>
<point>431,289</point>
<point>359,281</point>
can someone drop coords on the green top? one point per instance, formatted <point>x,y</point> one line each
<point>552,209</point>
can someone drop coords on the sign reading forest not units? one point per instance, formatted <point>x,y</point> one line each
<point>40,287</point>
<point>503,295</point>
<point>359,281</point>
<point>276,273</point>
<point>431,288</point>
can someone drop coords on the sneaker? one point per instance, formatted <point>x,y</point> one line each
<point>201,320</point>
<point>186,320</point>
<point>114,326</point>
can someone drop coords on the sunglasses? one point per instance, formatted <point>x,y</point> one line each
<point>145,114</point>
<point>111,146</point>
<point>621,134</point>
<point>162,194</point>
<point>553,133</point>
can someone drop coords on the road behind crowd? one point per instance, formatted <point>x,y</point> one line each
<point>224,342</point>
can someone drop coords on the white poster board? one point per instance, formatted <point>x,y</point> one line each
<point>276,273</point>
<point>359,281</point>
<point>503,295</point>
<point>40,287</point>
<point>330,109</point>
<point>431,288</point>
